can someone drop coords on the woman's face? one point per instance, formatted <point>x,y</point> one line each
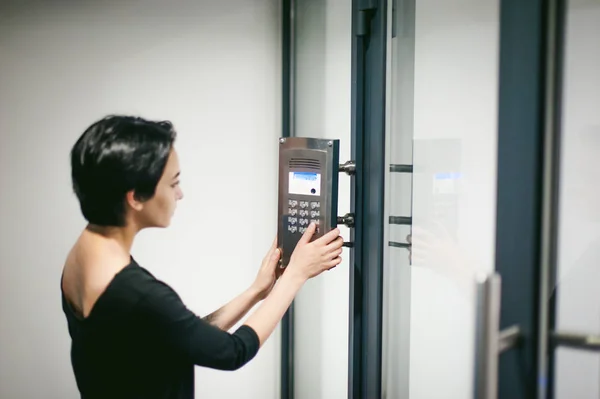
<point>158,211</point>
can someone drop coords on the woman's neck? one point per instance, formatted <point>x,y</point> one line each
<point>121,236</point>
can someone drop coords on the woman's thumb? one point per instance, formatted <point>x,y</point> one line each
<point>275,255</point>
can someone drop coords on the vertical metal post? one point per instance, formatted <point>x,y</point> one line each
<point>487,324</point>
<point>287,130</point>
<point>367,202</point>
<point>521,120</point>
<point>555,26</point>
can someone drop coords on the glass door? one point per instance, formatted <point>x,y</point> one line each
<point>492,151</point>
<point>441,140</point>
<point>574,296</point>
<point>470,272</point>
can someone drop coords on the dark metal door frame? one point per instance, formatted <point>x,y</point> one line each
<point>287,130</point>
<point>531,36</point>
<point>369,34</point>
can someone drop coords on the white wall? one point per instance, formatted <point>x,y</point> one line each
<point>213,68</point>
<point>323,110</point>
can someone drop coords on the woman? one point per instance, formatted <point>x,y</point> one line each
<point>132,337</point>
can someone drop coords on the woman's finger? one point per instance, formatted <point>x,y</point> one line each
<point>275,254</point>
<point>329,237</point>
<point>308,234</point>
<point>333,263</point>
<point>335,244</point>
<point>334,254</point>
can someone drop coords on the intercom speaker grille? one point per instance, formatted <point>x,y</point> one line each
<point>305,163</point>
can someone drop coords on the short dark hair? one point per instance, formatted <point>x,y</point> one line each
<point>113,156</point>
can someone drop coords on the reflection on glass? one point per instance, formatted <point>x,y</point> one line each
<point>443,105</point>
<point>577,373</point>
<point>396,275</point>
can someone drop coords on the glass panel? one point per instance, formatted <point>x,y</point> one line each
<point>323,109</point>
<point>443,91</point>
<point>577,373</point>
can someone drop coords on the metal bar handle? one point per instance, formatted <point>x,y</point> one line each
<point>404,220</point>
<point>490,342</point>
<point>587,342</point>
<point>401,168</point>
<point>487,321</point>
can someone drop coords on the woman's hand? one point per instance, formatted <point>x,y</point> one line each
<point>265,280</point>
<point>310,259</point>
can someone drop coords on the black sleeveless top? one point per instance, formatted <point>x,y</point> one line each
<point>140,341</point>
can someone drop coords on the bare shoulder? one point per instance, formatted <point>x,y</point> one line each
<point>89,269</point>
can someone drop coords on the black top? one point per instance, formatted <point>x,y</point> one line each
<point>140,341</point>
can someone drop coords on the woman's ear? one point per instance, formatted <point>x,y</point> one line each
<point>133,202</point>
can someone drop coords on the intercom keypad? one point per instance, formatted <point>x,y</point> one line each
<point>301,214</point>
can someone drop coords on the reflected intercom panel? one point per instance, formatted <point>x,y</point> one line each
<point>308,190</point>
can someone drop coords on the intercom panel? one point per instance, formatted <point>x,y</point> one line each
<point>308,190</point>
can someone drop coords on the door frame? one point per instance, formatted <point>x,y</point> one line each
<point>287,358</point>
<point>369,56</point>
<point>528,170</point>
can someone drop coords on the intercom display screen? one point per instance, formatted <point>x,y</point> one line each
<point>305,183</point>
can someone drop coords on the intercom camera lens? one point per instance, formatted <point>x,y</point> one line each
<point>312,190</point>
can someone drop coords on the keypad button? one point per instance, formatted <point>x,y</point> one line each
<point>293,211</point>
<point>315,221</point>
<point>303,204</point>
<point>292,229</point>
<point>302,230</point>
<point>292,221</point>
<point>315,205</point>
<point>315,214</point>
<point>293,203</point>
<point>303,222</point>
<point>303,212</point>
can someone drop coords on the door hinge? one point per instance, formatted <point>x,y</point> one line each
<point>366,8</point>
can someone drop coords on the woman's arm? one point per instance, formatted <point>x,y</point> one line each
<point>173,328</point>
<point>308,260</point>
<point>176,328</point>
<point>264,320</point>
<point>229,314</point>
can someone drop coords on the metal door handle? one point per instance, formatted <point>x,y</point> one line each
<point>401,168</point>
<point>487,320</point>
<point>587,342</point>
<point>490,342</point>
<point>348,167</point>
